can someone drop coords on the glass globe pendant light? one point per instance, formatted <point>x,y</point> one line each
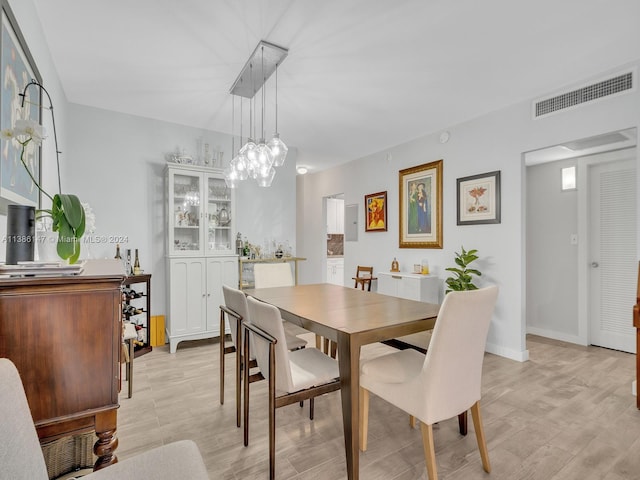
<point>278,147</point>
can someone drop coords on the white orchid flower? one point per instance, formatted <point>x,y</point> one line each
<point>29,128</point>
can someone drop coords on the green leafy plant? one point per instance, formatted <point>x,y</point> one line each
<point>463,279</point>
<point>66,212</point>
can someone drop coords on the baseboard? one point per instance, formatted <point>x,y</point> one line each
<point>522,356</point>
<point>555,335</point>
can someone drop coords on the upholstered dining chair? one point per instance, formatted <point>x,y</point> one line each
<point>21,456</point>
<point>235,311</point>
<point>443,383</point>
<point>267,275</point>
<point>293,376</point>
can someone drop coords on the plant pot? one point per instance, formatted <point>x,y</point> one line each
<point>47,246</point>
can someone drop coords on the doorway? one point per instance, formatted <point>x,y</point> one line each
<point>567,232</point>
<point>334,251</point>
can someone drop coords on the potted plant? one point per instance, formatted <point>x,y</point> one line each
<point>463,278</point>
<point>66,212</point>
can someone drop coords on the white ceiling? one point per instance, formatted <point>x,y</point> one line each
<point>361,75</point>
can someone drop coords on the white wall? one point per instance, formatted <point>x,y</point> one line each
<point>493,142</point>
<point>27,20</point>
<point>552,261</point>
<point>118,167</point>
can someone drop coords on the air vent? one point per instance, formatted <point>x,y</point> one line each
<point>605,88</point>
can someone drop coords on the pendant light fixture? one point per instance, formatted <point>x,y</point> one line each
<point>277,146</point>
<point>257,160</point>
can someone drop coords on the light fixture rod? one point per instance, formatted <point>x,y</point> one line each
<point>249,81</point>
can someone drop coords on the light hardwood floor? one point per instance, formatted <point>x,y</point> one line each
<point>566,414</point>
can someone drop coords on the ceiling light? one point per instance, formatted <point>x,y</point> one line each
<point>257,160</point>
<point>302,170</point>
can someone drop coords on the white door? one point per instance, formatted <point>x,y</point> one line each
<point>612,254</point>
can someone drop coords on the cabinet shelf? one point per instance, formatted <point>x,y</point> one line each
<point>142,318</point>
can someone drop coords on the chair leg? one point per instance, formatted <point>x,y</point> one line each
<point>130,368</point>
<point>221,357</point>
<point>462,423</point>
<point>311,404</point>
<point>482,443</point>
<point>239,361</point>
<point>429,450</point>
<point>325,345</point>
<point>364,418</point>
<point>272,413</point>
<point>412,421</point>
<point>245,379</point>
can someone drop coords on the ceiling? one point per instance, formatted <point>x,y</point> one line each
<point>361,75</point>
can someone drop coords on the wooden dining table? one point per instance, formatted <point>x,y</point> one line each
<point>351,318</point>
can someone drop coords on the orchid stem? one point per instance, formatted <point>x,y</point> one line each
<point>24,164</point>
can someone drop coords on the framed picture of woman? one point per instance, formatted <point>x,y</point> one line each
<point>375,206</point>
<point>421,206</point>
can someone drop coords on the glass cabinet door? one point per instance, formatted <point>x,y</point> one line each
<point>184,222</point>
<point>219,217</point>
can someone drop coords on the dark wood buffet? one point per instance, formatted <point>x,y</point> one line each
<point>64,335</point>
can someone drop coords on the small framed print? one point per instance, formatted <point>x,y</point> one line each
<point>375,206</point>
<point>479,199</point>
<point>421,206</point>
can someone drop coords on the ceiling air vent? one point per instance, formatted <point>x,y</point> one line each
<point>611,86</point>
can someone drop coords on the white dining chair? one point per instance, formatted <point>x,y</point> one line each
<point>21,456</point>
<point>293,376</point>
<point>235,311</point>
<point>443,383</point>
<point>268,275</point>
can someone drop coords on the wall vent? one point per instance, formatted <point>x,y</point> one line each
<point>611,86</point>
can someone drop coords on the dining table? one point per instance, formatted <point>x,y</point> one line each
<point>352,318</point>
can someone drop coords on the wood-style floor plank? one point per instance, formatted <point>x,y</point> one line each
<point>566,414</point>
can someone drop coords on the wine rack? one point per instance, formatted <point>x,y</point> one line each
<point>136,308</point>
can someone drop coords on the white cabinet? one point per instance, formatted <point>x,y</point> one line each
<point>200,251</point>
<point>335,216</point>
<point>423,288</point>
<point>335,271</point>
<point>195,295</point>
<point>200,212</point>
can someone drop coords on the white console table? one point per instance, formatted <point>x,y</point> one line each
<point>414,286</point>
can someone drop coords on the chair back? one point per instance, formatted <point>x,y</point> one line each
<point>368,272</point>
<point>267,318</point>
<point>452,370</point>
<point>235,300</point>
<point>268,275</point>
<point>20,453</point>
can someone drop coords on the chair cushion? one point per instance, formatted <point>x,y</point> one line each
<point>310,367</point>
<point>293,342</point>
<point>396,367</point>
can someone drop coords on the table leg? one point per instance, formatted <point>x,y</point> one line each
<point>349,364</point>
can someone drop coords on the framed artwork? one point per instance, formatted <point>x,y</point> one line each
<point>421,206</point>
<point>18,69</point>
<point>479,199</point>
<point>375,206</point>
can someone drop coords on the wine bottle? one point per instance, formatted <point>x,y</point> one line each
<point>128,270</point>
<point>136,264</point>
<point>118,257</point>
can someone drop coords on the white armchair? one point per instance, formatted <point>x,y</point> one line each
<point>21,456</point>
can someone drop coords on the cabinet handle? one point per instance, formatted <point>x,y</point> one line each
<point>396,277</point>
